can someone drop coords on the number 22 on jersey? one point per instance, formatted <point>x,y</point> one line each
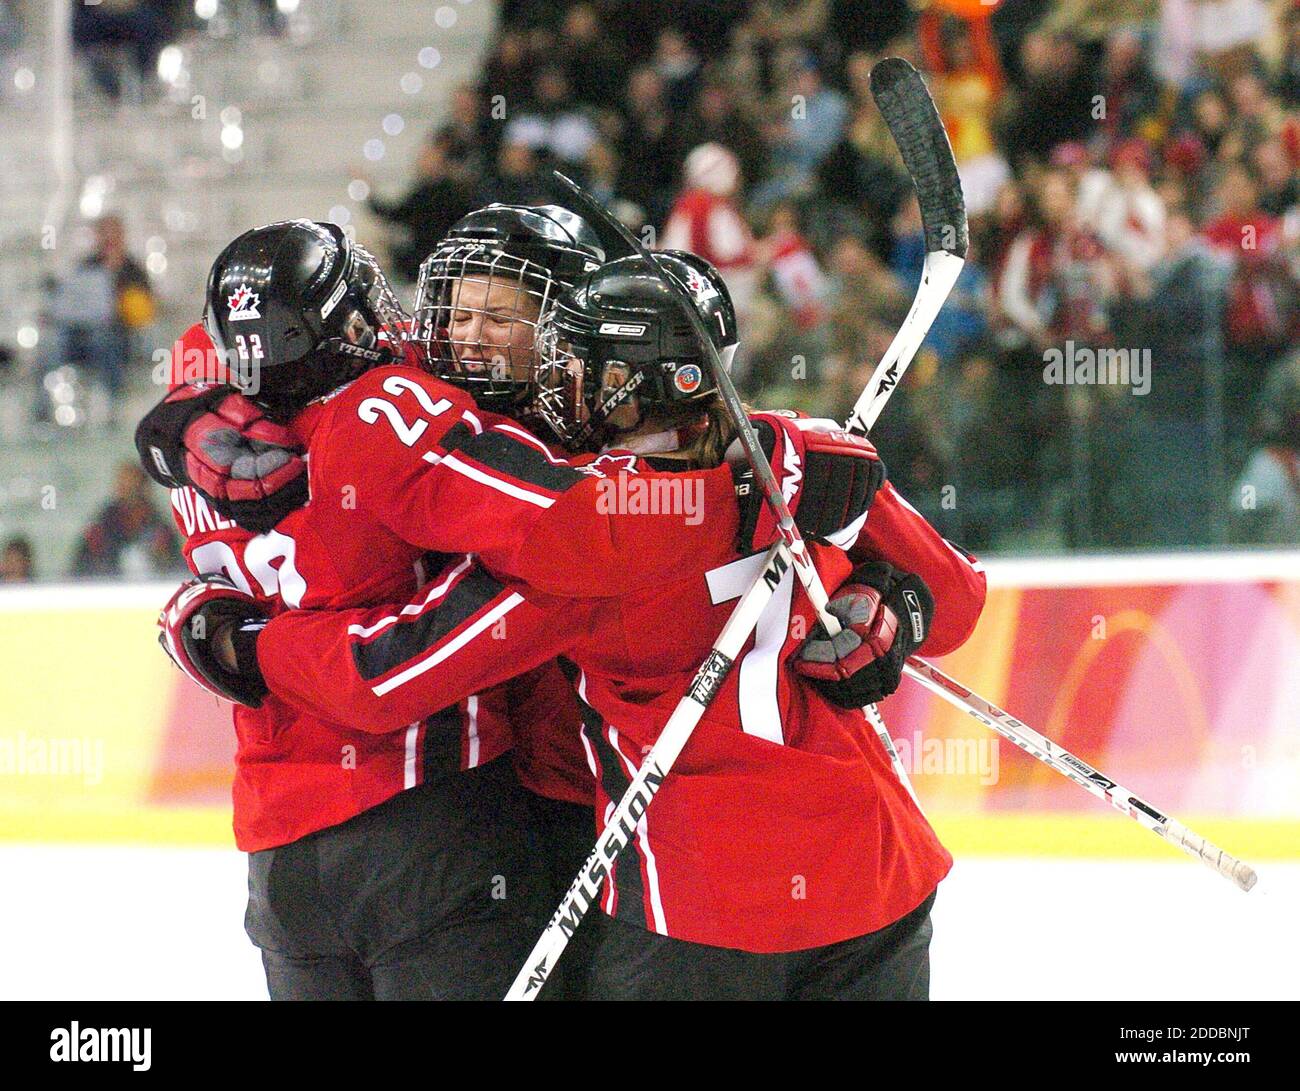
<point>372,409</point>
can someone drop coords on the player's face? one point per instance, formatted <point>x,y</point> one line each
<point>627,415</point>
<point>492,327</point>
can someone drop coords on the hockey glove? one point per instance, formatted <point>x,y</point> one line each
<point>827,476</point>
<point>249,468</point>
<point>886,617</point>
<point>202,618</point>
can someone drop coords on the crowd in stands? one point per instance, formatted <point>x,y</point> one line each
<point>1130,172</point>
<point>1117,365</point>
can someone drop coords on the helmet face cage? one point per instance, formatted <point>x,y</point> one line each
<point>477,312</point>
<point>368,317</point>
<point>584,393</point>
<point>560,398</point>
<point>384,305</point>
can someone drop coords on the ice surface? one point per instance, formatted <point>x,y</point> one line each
<point>116,922</point>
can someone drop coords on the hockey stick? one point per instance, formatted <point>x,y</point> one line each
<point>905,102</point>
<point>621,824</point>
<point>1083,774</point>
<point>788,551</point>
<point>914,124</point>
<point>909,111</point>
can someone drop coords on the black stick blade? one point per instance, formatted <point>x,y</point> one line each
<point>905,103</point>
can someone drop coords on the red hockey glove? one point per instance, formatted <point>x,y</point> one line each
<point>827,476</point>
<point>249,468</point>
<point>886,616</point>
<point>198,620</point>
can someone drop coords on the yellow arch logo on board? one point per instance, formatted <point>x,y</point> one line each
<point>1143,625</point>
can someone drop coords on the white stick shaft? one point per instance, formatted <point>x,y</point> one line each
<point>621,825</point>
<point>938,275</point>
<point>1079,771</point>
<point>887,741</point>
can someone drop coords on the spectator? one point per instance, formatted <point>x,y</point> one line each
<point>794,268</point>
<point>707,221</point>
<point>1279,188</point>
<point>805,127</point>
<point>470,137</point>
<point>99,304</point>
<point>961,322</point>
<point>553,124</point>
<point>1164,438</point>
<point>1053,100</point>
<point>1241,225</point>
<point>997,230</point>
<point>1053,284</point>
<point>1257,117</point>
<point>16,564</point>
<point>121,39</point>
<point>509,71</point>
<point>602,172</point>
<point>1210,121</point>
<point>1268,493</point>
<point>1122,209</point>
<point>1129,90</point>
<point>591,58</point>
<point>649,145</point>
<point>716,120</point>
<point>678,66</point>
<point>127,538</point>
<point>866,303</point>
<point>436,200</point>
<point>967,85</point>
<point>519,179</point>
<point>1289,75</point>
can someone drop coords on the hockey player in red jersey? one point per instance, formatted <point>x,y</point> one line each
<point>330,554</point>
<point>428,806</point>
<point>782,857</point>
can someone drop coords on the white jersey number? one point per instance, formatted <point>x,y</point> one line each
<point>759,668</point>
<point>268,557</point>
<point>371,409</point>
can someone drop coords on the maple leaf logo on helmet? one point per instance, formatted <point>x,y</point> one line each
<point>243,304</point>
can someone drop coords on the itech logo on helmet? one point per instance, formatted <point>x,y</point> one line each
<point>243,304</point>
<point>688,378</point>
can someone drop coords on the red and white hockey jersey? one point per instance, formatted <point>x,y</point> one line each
<point>401,465</point>
<point>781,827</point>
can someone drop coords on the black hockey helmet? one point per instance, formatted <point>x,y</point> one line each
<point>296,308</point>
<point>484,287</point>
<point>620,344</point>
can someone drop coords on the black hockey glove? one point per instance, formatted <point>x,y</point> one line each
<point>217,441</point>
<point>886,616</point>
<point>827,476</point>
<point>195,624</point>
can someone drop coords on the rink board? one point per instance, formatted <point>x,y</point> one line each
<point>1177,676</point>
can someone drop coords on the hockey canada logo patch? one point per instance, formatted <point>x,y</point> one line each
<point>243,304</point>
<point>699,287</point>
<point>688,378</point>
